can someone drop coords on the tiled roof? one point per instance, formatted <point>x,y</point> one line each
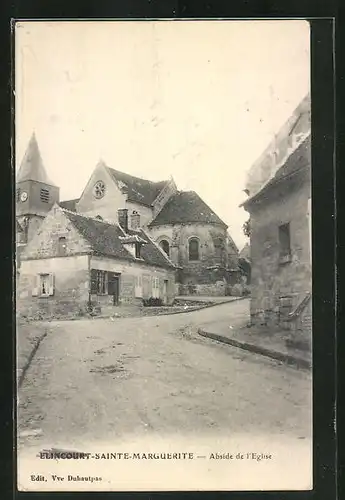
<point>32,168</point>
<point>105,239</point>
<point>139,190</point>
<point>186,207</point>
<point>69,204</point>
<point>297,162</point>
<point>150,252</point>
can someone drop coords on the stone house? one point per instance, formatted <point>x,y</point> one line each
<point>187,230</point>
<point>75,260</point>
<point>279,206</point>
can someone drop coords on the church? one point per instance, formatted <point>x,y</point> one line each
<point>167,237</point>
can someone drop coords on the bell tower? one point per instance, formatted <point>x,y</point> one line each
<point>35,192</point>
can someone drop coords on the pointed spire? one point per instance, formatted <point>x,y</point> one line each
<point>32,168</point>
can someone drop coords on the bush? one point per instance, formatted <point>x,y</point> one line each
<point>152,302</point>
<point>237,290</point>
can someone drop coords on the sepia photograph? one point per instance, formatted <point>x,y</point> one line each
<point>163,255</point>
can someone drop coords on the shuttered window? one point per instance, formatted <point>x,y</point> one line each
<point>44,285</point>
<point>139,286</point>
<point>155,287</point>
<point>93,279</point>
<point>44,195</point>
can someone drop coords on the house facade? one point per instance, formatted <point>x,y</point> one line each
<point>185,228</point>
<point>76,261</point>
<point>279,206</point>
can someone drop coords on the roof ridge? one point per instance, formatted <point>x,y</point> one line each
<point>102,221</point>
<point>136,177</point>
<point>186,207</point>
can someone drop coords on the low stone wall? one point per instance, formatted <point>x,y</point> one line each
<point>207,290</point>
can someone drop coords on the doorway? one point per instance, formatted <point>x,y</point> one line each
<point>114,287</point>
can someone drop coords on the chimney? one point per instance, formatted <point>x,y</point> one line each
<point>123,218</point>
<point>135,220</point>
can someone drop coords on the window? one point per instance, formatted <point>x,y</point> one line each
<point>62,250</point>
<point>99,282</point>
<point>99,189</point>
<point>193,249</point>
<point>164,244</point>
<point>284,242</point>
<point>155,287</point>
<point>219,248</point>
<point>139,286</point>
<point>102,284</point>
<point>44,285</point>
<point>44,195</point>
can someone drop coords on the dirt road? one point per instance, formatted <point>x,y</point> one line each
<point>101,379</point>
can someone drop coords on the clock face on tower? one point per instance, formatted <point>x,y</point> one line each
<point>99,189</point>
<point>24,196</point>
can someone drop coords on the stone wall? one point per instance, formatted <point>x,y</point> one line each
<point>277,287</point>
<point>45,243</point>
<point>206,290</point>
<point>205,274</point>
<point>71,286</point>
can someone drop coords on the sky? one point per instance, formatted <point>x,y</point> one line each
<point>196,100</point>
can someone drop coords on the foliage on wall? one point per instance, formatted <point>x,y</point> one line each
<point>246,228</point>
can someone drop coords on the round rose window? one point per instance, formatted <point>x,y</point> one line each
<point>99,189</point>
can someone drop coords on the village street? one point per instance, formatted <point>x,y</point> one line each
<point>100,379</point>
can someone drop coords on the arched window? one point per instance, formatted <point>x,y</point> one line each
<point>193,250</point>
<point>164,244</point>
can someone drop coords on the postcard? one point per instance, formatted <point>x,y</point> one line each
<point>163,255</point>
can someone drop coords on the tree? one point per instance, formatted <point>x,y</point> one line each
<point>246,228</point>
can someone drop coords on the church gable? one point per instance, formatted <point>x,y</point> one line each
<point>56,237</point>
<point>101,196</point>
